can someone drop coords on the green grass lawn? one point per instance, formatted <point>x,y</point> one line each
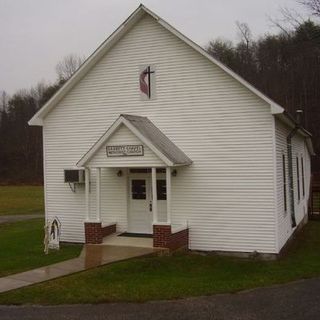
<point>21,247</point>
<point>21,200</point>
<point>178,276</point>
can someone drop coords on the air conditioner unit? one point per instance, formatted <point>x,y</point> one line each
<point>74,176</point>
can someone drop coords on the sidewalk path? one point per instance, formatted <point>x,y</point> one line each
<point>298,300</point>
<point>19,217</point>
<point>91,256</point>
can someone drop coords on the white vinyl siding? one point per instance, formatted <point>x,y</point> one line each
<point>299,149</point>
<point>226,196</point>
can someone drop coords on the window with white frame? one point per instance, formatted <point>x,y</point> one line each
<point>298,178</point>
<point>284,179</point>
<point>302,177</point>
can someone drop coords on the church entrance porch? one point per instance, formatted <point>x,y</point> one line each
<point>148,210</point>
<point>132,165</point>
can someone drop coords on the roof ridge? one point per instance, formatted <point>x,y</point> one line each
<point>137,14</point>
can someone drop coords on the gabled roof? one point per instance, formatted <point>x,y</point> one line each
<point>141,11</point>
<point>149,134</point>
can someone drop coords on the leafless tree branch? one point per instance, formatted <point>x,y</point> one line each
<point>68,66</point>
<point>312,5</point>
<point>245,32</point>
<point>290,19</point>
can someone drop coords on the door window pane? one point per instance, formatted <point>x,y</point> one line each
<point>161,190</point>
<point>138,189</point>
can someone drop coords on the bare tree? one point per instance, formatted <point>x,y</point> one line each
<point>245,33</point>
<point>4,101</point>
<point>38,92</point>
<point>68,66</point>
<point>290,19</point>
<point>313,6</point>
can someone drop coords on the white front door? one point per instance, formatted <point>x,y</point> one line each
<point>140,215</point>
<point>140,204</point>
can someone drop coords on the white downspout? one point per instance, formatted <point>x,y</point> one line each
<point>154,195</point>
<point>168,185</point>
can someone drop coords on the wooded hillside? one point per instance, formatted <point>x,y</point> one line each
<point>21,145</point>
<point>285,66</point>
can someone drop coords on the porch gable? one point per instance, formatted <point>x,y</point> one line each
<point>109,155</point>
<point>127,133</point>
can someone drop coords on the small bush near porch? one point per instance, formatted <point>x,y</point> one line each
<point>178,276</point>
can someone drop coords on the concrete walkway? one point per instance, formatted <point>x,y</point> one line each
<point>294,301</point>
<point>91,256</point>
<point>19,217</point>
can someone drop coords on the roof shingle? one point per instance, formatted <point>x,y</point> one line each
<point>158,139</point>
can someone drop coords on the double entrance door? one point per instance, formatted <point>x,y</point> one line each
<point>140,213</point>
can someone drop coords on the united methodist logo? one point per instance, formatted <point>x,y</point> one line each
<point>146,83</point>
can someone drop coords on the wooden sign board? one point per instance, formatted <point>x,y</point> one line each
<point>125,151</point>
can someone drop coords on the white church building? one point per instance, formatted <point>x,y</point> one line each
<point>154,137</point>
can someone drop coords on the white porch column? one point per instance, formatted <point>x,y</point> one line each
<point>87,188</point>
<point>154,195</point>
<point>98,190</point>
<point>168,187</point>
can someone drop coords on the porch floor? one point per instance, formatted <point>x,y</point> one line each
<point>115,240</point>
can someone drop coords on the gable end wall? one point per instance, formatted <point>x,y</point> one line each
<point>226,196</point>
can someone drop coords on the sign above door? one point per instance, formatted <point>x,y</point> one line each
<point>125,150</point>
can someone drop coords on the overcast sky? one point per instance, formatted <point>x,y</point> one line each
<point>36,34</point>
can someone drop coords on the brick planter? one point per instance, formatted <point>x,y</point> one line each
<point>179,239</point>
<point>164,238</point>
<point>109,229</point>
<point>94,232</point>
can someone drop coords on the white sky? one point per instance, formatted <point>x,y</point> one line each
<point>36,34</point>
